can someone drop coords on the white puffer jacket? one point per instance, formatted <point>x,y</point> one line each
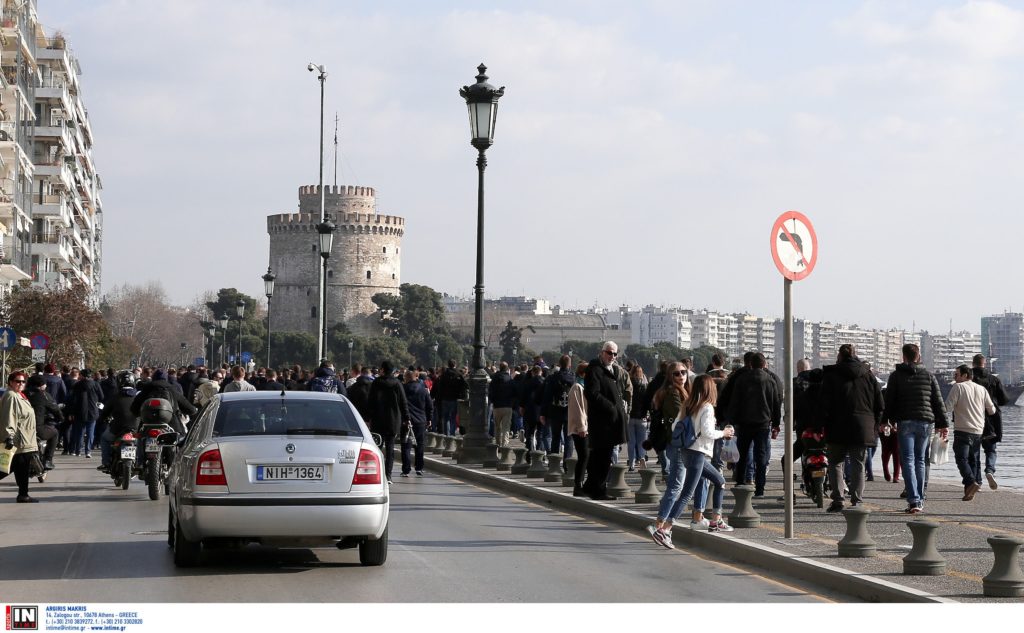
<point>704,427</point>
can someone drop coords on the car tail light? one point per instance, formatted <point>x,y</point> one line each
<point>128,436</point>
<point>211,470</point>
<point>367,468</point>
<point>154,433</point>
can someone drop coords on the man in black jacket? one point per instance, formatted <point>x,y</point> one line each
<point>83,410</point>
<point>421,409</point>
<point>755,409</point>
<point>606,420</point>
<point>48,418</point>
<point>117,410</point>
<point>503,394</point>
<point>453,387</point>
<point>914,402</point>
<point>555,404</point>
<point>851,406</point>
<point>389,411</point>
<point>159,387</point>
<point>993,432</point>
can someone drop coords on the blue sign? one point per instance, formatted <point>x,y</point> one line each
<point>231,358</point>
<point>8,339</point>
<point>199,361</point>
<point>246,357</point>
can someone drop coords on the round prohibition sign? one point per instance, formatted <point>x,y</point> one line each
<point>794,245</point>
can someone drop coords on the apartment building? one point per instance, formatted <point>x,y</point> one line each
<point>1002,339</point>
<point>50,207</point>
<point>942,353</point>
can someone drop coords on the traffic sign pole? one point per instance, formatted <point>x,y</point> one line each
<point>787,471</point>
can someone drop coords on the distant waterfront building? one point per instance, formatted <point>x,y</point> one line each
<point>1002,338</point>
<point>803,341</point>
<point>365,260</point>
<point>942,353</point>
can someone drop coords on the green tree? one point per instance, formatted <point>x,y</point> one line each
<point>291,348</point>
<point>510,339</point>
<point>415,317</point>
<point>76,329</point>
<point>253,328</point>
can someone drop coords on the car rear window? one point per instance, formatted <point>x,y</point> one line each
<point>283,417</point>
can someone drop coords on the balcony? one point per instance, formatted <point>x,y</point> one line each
<point>55,208</point>
<point>54,88</point>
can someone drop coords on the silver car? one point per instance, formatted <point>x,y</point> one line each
<point>278,468</point>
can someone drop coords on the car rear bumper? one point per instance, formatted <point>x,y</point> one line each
<point>255,517</point>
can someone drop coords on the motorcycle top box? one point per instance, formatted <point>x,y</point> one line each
<point>156,411</point>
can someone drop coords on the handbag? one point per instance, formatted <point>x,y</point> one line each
<point>6,456</point>
<point>35,463</point>
<point>939,450</point>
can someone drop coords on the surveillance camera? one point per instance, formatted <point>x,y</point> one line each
<point>310,67</point>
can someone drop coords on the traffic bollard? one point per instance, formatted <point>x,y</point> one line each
<point>537,469</point>
<point>617,486</point>
<point>507,458</point>
<point>554,474</point>
<point>924,559</point>
<point>1005,580</point>
<point>857,543</point>
<point>491,455</point>
<point>648,492</point>
<point>569,476</point>
<point>449,446</point>
<point>458,454</point>
<point>520,467</point>
<point>743,513</point>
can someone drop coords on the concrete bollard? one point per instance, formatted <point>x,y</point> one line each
<point>743,513</point>
<point>569,476</point>
<point>924,559</point>
<point>537,469</point>
<point>448,448</point>
<point>1005,580</point>
<point>857,543</point>
<point>617,486</point>
<point>457,455</point>
<point>520,467</point>
<point>439,443</point>
<point>506,460</point>
<point>554,474</point>
<point>648,492</point>
<point>491,455</point>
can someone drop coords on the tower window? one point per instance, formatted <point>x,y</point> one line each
<point>385,249</point>
<point>392,275</point>
<point>330,273</point>
<point>367,274</point>
<point>314,248</point>
<point>312,312</point>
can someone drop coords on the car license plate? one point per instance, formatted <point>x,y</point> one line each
<point>127,452</point>
<point>152,446</point>
<point>289,473</point>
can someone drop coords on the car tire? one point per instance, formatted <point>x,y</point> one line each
<point>374,553</point>
<point>170,527</point>
<point>186,553</point>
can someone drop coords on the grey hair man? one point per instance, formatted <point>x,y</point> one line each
<point>606,419</point>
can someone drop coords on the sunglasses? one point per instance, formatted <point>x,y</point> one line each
<point>679,373</point>
<point>610,353</point>
<point>18,382</point>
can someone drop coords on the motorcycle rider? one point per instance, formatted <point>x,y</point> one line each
<point>159,387</point>
<point>48,418</point>
<point>117,411</point>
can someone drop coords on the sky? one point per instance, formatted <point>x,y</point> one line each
<point>642,152</point>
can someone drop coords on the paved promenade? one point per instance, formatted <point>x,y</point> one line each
<point>812,556</point>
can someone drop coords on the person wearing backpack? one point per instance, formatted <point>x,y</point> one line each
<point>555,404</point>
<point>325,381</point>
<point>693,436</point>
<point>636,435</point>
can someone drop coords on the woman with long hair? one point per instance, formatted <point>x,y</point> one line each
<point>636,431</point>
<point>689,464</point>
<point>668,402</point>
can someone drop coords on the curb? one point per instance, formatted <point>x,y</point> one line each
<point>843,581</point>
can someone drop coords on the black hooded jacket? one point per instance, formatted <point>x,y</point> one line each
<point>993,423</point>
<point>754,401</point>
<point>850,403</point>
<point>913,394</point>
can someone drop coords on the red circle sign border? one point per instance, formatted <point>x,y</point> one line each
<point>773,243</point>
<point>32,340</point>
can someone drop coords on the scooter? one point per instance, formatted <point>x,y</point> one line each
<point>815,465</point>
<point>160,440</point>
<point>122,459</point>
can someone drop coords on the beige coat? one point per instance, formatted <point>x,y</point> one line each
<point>577,411</point>
<point>18,420</point>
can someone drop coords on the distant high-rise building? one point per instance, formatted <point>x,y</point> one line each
<point>942,353</point>
<point>1002,339</point>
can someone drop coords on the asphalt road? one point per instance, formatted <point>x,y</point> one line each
<point>450,542</point>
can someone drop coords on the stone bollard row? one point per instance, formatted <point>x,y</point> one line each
<point>457,455</point>
<point>520,467</point>
<point>648,492</point>
<point>448,448</point>
<point>537,469</point>
<point>924,559</point>
<point>857,543</point>
<point>743,513</point>
<point>491,455</point>
<point>1005,580</point>
<point>617,486</point>
<point>506,460</point>
<point>554,474</point>
<point>569,476</point>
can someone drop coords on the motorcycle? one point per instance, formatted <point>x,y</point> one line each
<point>122,459</point>
<point>160,440</point>
<point>815,465</point>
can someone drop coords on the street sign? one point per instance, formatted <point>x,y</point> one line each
<point>199,360</point>
<point>8,339</point>
<point>39,340</point>
<point>231,358</point>
<point>794,245</point>
<point>246,357</point>
<point>39,356</point>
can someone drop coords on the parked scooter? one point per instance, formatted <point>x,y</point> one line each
<point>815,465</point>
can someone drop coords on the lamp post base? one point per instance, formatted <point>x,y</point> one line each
<point>474,447</point>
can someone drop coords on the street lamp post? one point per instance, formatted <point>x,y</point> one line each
<point>212,331</point>
<point>268,289</point>
<point>184,346</point>
<point>351,344</point>
<point>482,103</point>
<point>240,311</point>
<point>436,361</point>
<point>322,318</point>
<point>223,320</point>
<point>326,231</point>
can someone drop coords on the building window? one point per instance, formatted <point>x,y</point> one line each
<point>367,274</point>
<point>312,312</point>
<point>330,273</point>
<point>385,249</point>
<point>392,275</point>
<point>314,248</point>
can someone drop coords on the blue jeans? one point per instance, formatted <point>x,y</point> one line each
<point>684,473</point>
<point>915,436</point>
<point>106,441</point>
<point>543,437</point>
<point>517,421</point>
<point>760,440</point>
<point>81,433</point>
<point>709,475</point>
<point>967,453</point>
<point>449,409</point>
<point>990,455</point>
<point>636,433</point>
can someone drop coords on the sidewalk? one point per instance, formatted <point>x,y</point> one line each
<point>812,556</point>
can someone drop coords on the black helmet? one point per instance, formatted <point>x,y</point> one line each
<point>125,380</point>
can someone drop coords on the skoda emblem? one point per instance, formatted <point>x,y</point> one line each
<point>290,448</point>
